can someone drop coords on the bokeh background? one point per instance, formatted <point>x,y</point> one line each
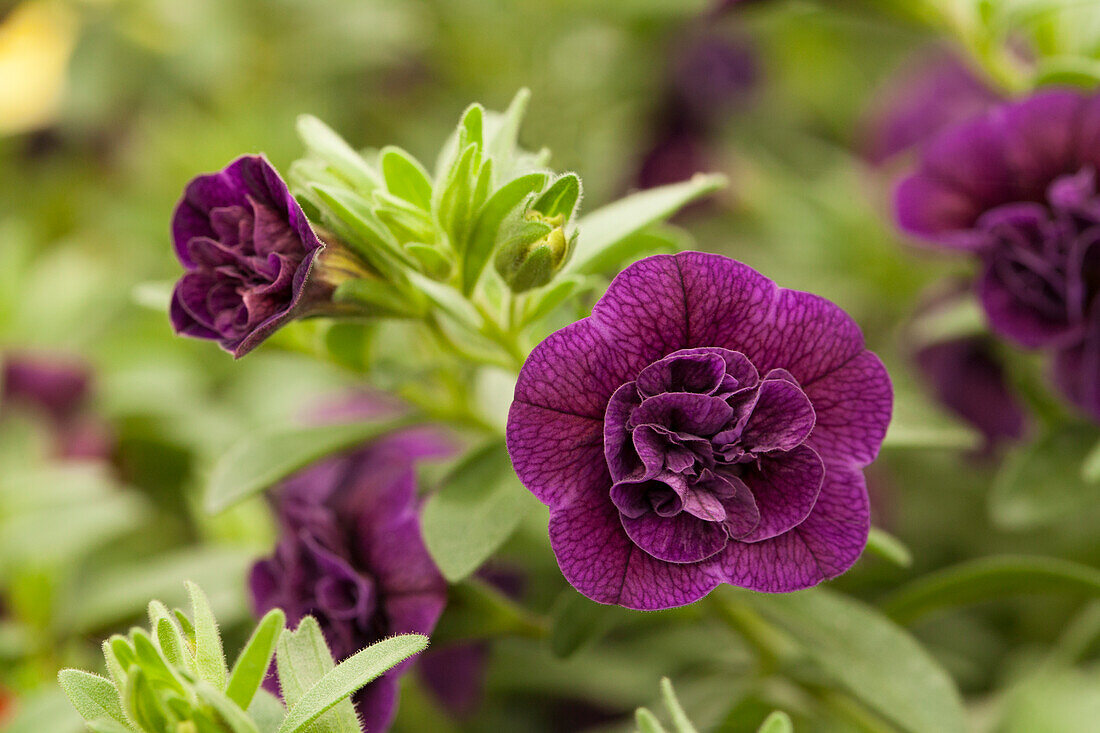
<point>107,109</point>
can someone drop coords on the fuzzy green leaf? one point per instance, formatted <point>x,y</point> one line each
<point>777,722</point>
<point>405,177</point>
<point>561,198</point>
<point>209,655</point>
<point>348,677</point>
<point>484,235</point>
<point>327,145</point>
<point>647,722</point>
<point>680,722</point>
<point>93,696</point>
<point>252,664</point>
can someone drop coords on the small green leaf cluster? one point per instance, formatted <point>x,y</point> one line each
<point>174,678</point>
<point>647,722</point>
<point>481,247</point>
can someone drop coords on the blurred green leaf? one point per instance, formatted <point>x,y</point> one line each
<point>1041,483</point>
<point>777,722</point>
<point>327,145</point>
<point>604,228</point>
<point>647,722</point>
<point>477,507</point>
<point>680,722</point>
<point>888,547</point>
<point>987,579</point>
<point>577,622</point>
<point>264,457</point>
<point>875,660</point>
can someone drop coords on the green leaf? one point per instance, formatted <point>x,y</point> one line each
<point>1090,467</point>
<point>322,141</point>
<point>377,297</point>
<point>542,302</point>
<point>267,712</point>
<point>889,547</point>
<point>360,229</point>
<point>477,507</point>
<point>483,238</point>
<point>1069,70</point>
<point>606,227</point>
<point>777,722</point>
<point>92,696</point>
<point>875,660</point>
<point>255,659</point>
<point>680,722</point>
<point>647,722</point>
<point>302,658</point>
<point>987,579</point>
<point>264,457</point>
<point>209,655</point>
<point>1041,484</point>
<point>348,677</point>
<point>237,719</point>
<point>405,177</point>
<point>171,643</point>
<point>449,300</point>
<point>577,622</point>
<point>433,263</point>
<point>560,198</point>
<point>501,142</point>
<point>472,125</point>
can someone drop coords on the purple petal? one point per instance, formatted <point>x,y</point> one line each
<point>781,419</point>
<point>853,405</point>
<point>556,455</point>
<point>695,414</point>
<point>1040,136</point>
<point>619,450</point>
<point>932,209</point>
<point>377,703</point>
<point>826,544</point>
<point>600,561</point>
<point>695,370</point>
<point>1076,370</point>
<point>574,371</point>
<point>683,538</point>
<point>785,488</point>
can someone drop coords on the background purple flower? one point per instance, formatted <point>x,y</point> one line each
<point>701,426</point>
<point>248,248</point>
<point>352,556</point>
<point>59,389</point>
<point>967,377</point>
<point>1017,187</point>
<point>929,95</point>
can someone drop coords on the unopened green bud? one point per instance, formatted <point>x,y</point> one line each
<point>534,253</point>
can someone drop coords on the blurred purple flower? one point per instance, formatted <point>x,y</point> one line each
<point>351,555</point>
<point>927,97</point>
<point>58,388</point>
<point>248,249</point>
<point>967,378</point>
<point>701,426</point>
<point>712,73</point>
<point>1017,188</point>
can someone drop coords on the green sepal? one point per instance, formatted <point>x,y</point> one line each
<point>486,232</point>
<point>406,177</point>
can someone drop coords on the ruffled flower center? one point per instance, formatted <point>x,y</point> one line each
<point>244,274</point>
<point>702,451</point>
<point>1046,256</point>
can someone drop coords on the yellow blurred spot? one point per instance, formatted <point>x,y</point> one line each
<point>36,42</point>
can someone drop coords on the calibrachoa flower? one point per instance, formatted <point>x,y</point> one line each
<point>702,426</point>
<point>1017,187</point>
<point>248,250</point>
<point>352,555</point>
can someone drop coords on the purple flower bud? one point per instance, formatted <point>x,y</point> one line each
<point>1017,188</point>
<point>701,426</point>
<point>248,250</point>
<point>352,556</point>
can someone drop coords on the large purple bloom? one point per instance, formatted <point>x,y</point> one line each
<point>352,556</point>
<point>702,426</point>
<point>1017,187</point>
<point>248,248</point>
